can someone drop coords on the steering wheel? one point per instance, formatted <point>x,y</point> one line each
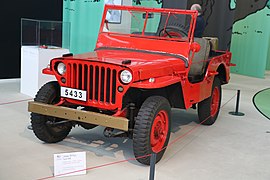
<point>173,31</point>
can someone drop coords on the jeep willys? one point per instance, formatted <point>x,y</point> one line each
<point>146,61</point>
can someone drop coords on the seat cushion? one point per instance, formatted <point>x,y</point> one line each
<point>200,58</point>
<point>213,42</point>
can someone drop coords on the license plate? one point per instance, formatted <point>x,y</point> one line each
<point>73,93</point>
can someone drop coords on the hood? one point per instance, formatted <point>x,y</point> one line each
<point>146,63</point>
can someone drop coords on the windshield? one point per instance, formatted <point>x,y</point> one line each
<point>161,25</point>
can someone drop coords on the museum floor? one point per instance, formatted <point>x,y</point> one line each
<point>233,148</point>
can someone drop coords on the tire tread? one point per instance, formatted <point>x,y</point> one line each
<point>142,128</point>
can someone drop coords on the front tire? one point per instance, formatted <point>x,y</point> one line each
<point>208,109</point>
<point>152,129</point>
<point>43,126</point>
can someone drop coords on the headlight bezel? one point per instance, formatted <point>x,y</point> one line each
<point>61,68</point>
<point>126,76</point>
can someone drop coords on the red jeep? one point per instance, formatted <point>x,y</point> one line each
<point>146,61</point>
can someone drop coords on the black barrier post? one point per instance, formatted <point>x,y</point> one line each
<point>237,113</point>
<point>152,166</point>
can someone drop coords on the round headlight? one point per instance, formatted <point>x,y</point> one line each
<point>61,68</point>
<point>126,76</point>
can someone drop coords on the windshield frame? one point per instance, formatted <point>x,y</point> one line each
<point>193,15</point>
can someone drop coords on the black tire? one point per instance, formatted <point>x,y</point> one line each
<point>146,139</point>
<point>42,125</point>
<point>173,30</point>
<point>208,109</point>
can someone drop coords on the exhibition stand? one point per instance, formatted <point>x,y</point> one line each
<point>33,60</point>
<point>41,41</point>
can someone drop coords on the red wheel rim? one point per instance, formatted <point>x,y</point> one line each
<point>215,102</point>
<point>159,131</point>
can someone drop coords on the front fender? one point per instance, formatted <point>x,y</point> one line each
<point>47,71</point>
<point>158,82</point>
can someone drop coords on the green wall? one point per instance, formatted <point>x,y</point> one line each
<point>250,44</point>
<point>152,24</point>
<point>147,3</point>
<point>85,18</point>
<point>268,56</point>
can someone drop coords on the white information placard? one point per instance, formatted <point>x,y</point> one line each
<point>69,164</point>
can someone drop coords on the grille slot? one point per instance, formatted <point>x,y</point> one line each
<point>98,81</point>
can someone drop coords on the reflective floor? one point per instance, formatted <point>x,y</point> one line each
<point>233,148</point>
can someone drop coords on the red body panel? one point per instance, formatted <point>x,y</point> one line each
<point>154,63</point>
<point>151,44</point>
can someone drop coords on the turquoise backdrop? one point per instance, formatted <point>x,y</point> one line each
<point>250,43</point>
<point>268,57</point>
<point>85,18</point>
<point>152,23</point>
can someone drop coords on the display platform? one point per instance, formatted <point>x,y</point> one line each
<point>33,60</point>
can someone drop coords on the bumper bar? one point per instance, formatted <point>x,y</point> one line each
<point>79,115</point>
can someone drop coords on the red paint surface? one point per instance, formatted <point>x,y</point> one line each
<point>160,58</point>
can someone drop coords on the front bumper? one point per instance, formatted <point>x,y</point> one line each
<point>120,123</point>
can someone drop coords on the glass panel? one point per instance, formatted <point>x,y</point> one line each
<point>174,26</point>
<point>45,33</point>
<point>163,25</point>
<point>29,32</point>
<point>153,22</point>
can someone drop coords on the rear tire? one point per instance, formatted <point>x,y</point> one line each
<point>43,126</point>
<point>152,129</point>
<point>208,109</point>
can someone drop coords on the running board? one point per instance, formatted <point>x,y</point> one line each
<point>120,123</point>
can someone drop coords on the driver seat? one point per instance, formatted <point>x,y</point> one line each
<point>199,61</point>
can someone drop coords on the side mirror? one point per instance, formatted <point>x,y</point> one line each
<point>195,47</point>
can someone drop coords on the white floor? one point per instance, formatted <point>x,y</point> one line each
<point>233,148</point>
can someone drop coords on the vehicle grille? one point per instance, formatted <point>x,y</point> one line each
<point>98,80</point>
